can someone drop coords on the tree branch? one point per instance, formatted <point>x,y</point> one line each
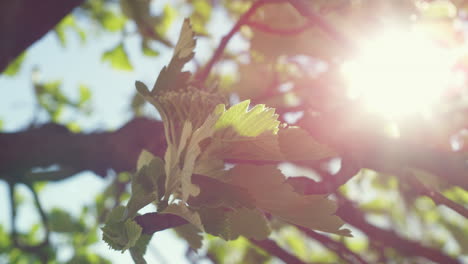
<point>438,198</point>
<point>334,246</point>
<point>273,249</point>
<point>22,22</point>
<point>390,239</point>
<point>54,144</point>
<point>303,9</point>
<point>279,31</point>
<point>203,74</point>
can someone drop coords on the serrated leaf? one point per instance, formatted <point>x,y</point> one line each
<point>138,251</point>
<point>185,212</point>
<point>230,224</point>
<point>216,193</point>
<point>118,58</point>
<point>239,121</point>
<point>191,234</point>
<point>289,144</point>
<point>172,77</point>
<point>267,185</point>
<point>118,233</point>
<point>147,183</point>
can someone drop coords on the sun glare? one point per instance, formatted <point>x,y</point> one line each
<point>398,74</point>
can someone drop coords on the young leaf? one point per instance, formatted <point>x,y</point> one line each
<point>238,121</point>
<point>216,193</point>
<point>147,183</point>
<point>171,77</point>
<point>267,185</point>
<point>229,225</point>
<point>185,212</point>
<point>191,234</point>
<point>249,223</point>
<point>118,233</point>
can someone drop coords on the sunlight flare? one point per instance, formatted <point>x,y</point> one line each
<point>399,74</point>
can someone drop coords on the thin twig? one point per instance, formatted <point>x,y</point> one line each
<point>438,198</point>
<point>337,247</point>
<point>203,74</point>
<point>302,7</point>
<point>42,214</point>
<point>273,249</point>
<point>390,239</point>
<point>280,31</point>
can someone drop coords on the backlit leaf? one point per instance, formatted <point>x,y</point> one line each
<point>185,212</point>
<point>267,185</point>
<point>191,234</point>
<point>238,121</point>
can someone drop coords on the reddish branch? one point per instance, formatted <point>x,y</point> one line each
<point>203,74</point>
<point>271,247</point>
<point>299,5</point>
<point>335,246</point>
<point>390,239</point>
<point>438,198</point>
<point>279,31</point>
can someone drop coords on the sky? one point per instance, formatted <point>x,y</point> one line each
<point>112,90</point>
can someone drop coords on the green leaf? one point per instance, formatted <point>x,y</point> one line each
<point>201,15</point>
<point>118,233</point>
<point>168,17</point>
<point>85,94</point>
<point>267,185</point>
<point>61,221</point>
<point>239,121</point>
<point>250,223</point>
<point>216,193</point>
<point>185,212</point>
<point>138,251</point>
<point>243,136</point>
<point>118,58</point>
<point>14,66</point>
<point>147,182</point>
<point>172,77</point>
<point>112,21</point>
<point>191,234</point>
<point>229,225</point>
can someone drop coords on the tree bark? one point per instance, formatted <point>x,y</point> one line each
<point>23,22</point>
<point>54,144</point>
